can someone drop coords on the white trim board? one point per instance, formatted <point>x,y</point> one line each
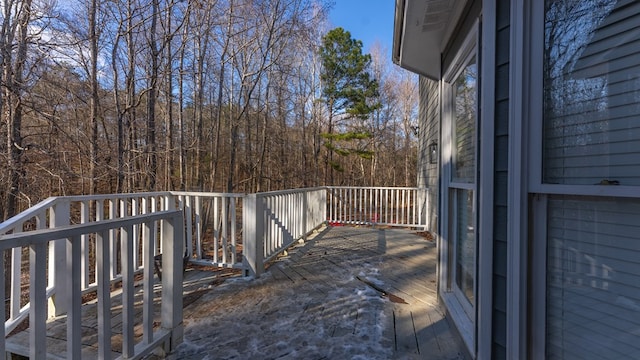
<point>517,213</point>
<point>486,147</point>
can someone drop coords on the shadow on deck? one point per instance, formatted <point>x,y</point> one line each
<point>346,293</point>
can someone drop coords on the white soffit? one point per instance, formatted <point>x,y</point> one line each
<point>419,31</point>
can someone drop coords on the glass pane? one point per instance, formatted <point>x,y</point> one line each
<point>464,132</point>
<point>465,243</point>
<point>592,92</point>
<point>593,278</point>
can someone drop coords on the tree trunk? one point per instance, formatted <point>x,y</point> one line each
<point>150,149</point>
<point>14,78</point>
<point>169,154</point>
<point>95,99</point>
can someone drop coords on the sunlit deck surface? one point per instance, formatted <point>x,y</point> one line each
<point>346,293</point>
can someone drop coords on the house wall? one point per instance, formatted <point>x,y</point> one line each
<point>428,175</point>
<point>429,115</point>
<point>554,221</point>
<point>501,165</point>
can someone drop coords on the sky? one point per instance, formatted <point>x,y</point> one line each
<point>366,20</point>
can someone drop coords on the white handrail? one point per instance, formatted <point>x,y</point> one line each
<point>11,223</point>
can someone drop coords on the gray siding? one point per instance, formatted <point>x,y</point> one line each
<point>429,131</point>
<point>428,174</point>
<point>501,159</point>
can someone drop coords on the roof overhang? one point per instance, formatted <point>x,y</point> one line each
<point>421,31</point>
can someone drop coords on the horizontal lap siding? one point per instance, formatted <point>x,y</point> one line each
<point>429,132</point>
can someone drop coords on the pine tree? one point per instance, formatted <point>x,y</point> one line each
<point>349,92</point>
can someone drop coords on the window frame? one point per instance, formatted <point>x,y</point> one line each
<point>528,56</point>
<point>469,48</point>
<point>535,55</point>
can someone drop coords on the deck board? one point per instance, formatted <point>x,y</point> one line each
<point>405,339</point>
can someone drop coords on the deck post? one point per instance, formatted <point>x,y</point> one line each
<point>173,245</point>
<point>425,204</point>
<point>59,216</point>
<point>253,235</point>
<point>37,299</point>
<point>305,211</point>
<point>323,206</point>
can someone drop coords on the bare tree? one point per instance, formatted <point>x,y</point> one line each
<point>220,96</point>
<point>408,100</point>
<point>152,91</point>
<point>23,23</point>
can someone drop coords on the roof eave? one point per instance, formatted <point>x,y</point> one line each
<point>419,31</point>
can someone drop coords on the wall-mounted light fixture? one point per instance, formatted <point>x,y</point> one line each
<point>433,152</point>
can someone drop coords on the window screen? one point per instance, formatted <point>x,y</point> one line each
<point>592,92</point>
<point>593,278</point>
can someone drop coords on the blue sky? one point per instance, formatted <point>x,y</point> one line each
<point>366,20</point>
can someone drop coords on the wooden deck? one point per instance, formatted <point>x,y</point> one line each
<point>346,293</point>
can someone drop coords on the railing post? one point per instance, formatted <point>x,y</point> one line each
<point>253,235</point>
<point>305,211</point>
<point>427,200</point>
<point>74,297</point>
<point>198,210</point>
<point>173,245</point>
<point>103,277</point>
<point>37,299</point>
<point>319,205</point>
<point>84,259</point>
<point>167,202</point>
<point>188,210</point>
<point>59,216</point>
<point>2,310</point>
<point>425,214</point>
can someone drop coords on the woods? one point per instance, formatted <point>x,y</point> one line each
<point>228,96</point>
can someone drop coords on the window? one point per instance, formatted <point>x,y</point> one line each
<point>465,242</point>
<point>465,94</point>
<point>585,200</point>
<point>592,92</point>
<point>593,278</point>
<point>460,171</point>
<point>463,177</point>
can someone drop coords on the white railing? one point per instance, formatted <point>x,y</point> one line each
<point>223,230</point>
<point>211,233</point>
<point>273,221</point>
<point>378,206</point>
<point>57,212</point>
<point>64,279</point>
<point>213,227</point>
